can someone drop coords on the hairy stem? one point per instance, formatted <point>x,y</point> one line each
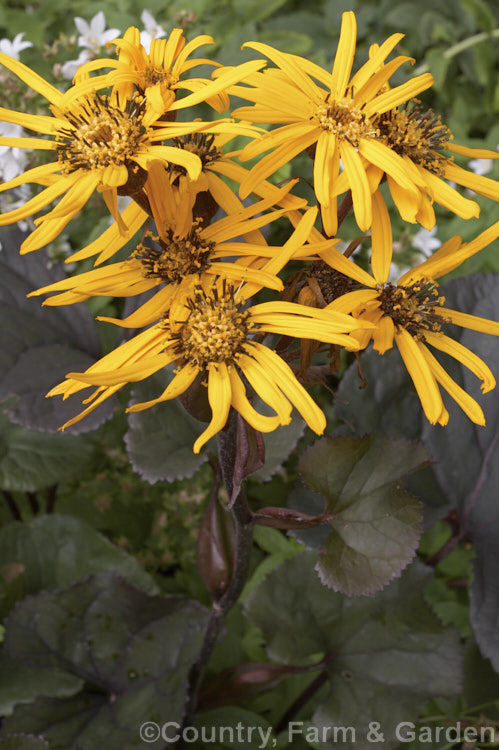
<point>345,208</point>
<point>33,501</point>
<point>51,498</point>
<point>243,519</point>
<point>12,505</point>
<point>301,701</point>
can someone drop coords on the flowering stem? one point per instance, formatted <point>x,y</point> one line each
<point>345,208</point>
<point>243,519</point>
<point>464,44</point>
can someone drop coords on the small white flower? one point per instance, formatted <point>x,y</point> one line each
<point>480,166</point>
<point>94,35</point>
<point>12,160</point>
<point>425,241</point>
<point>69,69</point>
<point>152,30</point>
<point>14,47</point>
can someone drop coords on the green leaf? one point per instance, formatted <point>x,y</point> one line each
<point>292,42</point>
<point>133,651</point>
<point>481,12</point>
<point>23,742</point>
<point>20,683</point>
<point>376,522</point>
<point>59,550</point>
<point>31,460</point>
<point>481,682</point>
<point>241,722</point>
<point>160,439</point>
<point>40,345</point>
<point>387,404</point>
<point>255,10</point>
<point>438,65</point>
<point>278,548</point>
<point>467,457</point>
<point>383,655</point>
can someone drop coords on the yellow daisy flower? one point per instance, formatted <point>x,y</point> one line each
<point>175,201</point>
<point>411,313</point>
<point>101,142</point>
<point>212,333</point>
<point>157,74</point>
<point>419,137</point>
<point>334,118</point>
<point>176,260</point>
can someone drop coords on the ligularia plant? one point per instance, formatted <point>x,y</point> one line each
<point>238,300</point>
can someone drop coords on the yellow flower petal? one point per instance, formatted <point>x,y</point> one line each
<point>220,397</point>
<point>383,335</point>
<point>178,385</point>
<point>480,184</point>
<point>337,260</point>
<point>473,153</point>
<point>463,399</point>
<point>39,201</point>
<point>383,157</point>
<point>407,202</point>
<point>147,313</point>
<point>34,81</point>
<point>324,167</point>
<point>359,185</point>
<point>294,391</point>
<point>450,198</point>
<point>272,162</point>
<point>382,243</point>
<point>290,64</point>
<point>473,322</point>
<point>112,239</point>
<point>345,52</point>
<point>352,301</point>
<point>236,74</point>
<point>398,95</point>
<point>36,175</point>
<point>114,175</point>
<point>371,66</point>
<point>378,80</point>
<point>262,383</point>
<point>138,371</point>
<point>465,357</point>
<point>240,402</point>
<point>422,377</point>
<point>168,154</point>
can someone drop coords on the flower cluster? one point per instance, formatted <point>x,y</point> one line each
<point>116,132</point>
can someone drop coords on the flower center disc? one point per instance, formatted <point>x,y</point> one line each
<point>176,258</point>
<point>201,145</point>
<point>215,330</point>
<point>416,133</point>
<point>413,307</point>
<point>345,120</point>
<point>99,135</point>
<point>156,74</point>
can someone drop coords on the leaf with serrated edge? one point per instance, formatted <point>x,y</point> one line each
<point>134,652</point>
<point>159,440</point>
<point>58,550</point>
<point>467,456</point>
<point>384,655</point>
<point>376,522</point>
<point>23,742</point>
